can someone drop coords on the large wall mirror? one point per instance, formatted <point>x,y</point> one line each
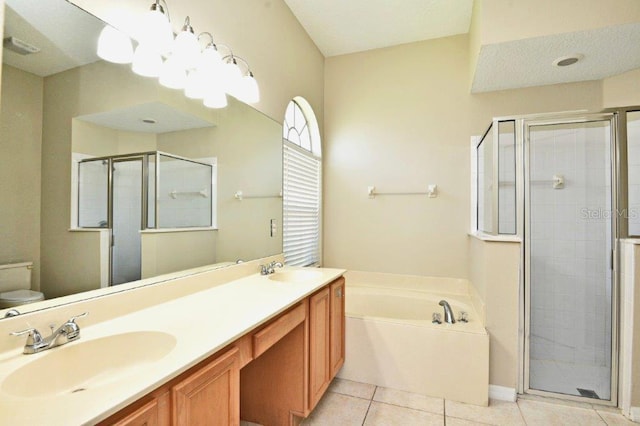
<point>107,177</point>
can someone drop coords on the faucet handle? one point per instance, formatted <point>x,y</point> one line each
<point>33,339</point>
<point>82,315</point>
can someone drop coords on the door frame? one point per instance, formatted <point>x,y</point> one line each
<point>525,288</point>
<point>143,191</point>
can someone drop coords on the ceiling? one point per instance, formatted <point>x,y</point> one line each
<point>165,117</point>
<point>346,26</point>
<point>38,23</point>
<point>340,27</point>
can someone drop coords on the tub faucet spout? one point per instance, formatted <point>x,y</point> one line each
<point>448,313</point>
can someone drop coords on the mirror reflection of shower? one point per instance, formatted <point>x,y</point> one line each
<point>131,193</point>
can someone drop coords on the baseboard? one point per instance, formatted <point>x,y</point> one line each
<point>634,414</point>
<point>502,393</point>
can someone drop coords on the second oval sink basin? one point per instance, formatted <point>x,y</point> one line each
<point>87,365</point>
<point>295,275</point>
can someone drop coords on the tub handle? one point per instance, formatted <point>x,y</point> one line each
<point>339,292</point>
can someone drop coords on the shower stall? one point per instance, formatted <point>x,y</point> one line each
<point>138,192</point>
<point>568,186</point>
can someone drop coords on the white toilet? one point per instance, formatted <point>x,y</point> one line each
<point>15,285</point>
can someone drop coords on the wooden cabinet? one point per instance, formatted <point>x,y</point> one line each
<point>326,338</point>
<point>155,412</point>
<point>210,396</point>
<point>337,326</point>
<point>274,375</point>
<point>319,345</point>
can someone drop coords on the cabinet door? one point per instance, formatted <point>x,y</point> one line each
<point>155,412</point>
<point>337,325</point>
<point>211,395</point>
<point>319,338</point>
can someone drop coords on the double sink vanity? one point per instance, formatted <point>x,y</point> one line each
<point>209,348</point>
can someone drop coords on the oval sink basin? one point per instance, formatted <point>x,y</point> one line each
<point>295,275</point>
<point>81,366</point>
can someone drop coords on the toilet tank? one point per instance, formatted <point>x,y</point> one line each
<point>15,276</point>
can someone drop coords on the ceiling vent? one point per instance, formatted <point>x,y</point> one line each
<point>19,46</point>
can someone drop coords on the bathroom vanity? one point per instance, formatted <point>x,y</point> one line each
<point>260,348</point>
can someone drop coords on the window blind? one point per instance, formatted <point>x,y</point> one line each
<point>301,207</point>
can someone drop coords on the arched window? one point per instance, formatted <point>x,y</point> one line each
<point>301,192</point>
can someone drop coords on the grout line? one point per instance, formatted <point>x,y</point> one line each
<point>369,407</point>
<point>602,418</point>
<point>444,411</point>
<point>521,413</point>
<point>475,422</point>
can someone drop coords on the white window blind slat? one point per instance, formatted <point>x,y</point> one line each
<point>301,201</point>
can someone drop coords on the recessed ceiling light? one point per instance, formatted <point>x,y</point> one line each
<point>149,120</point>
<point>565,61</point>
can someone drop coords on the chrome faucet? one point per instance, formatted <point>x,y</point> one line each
<point>270,268</point>
<point>67,332</point>
<point>448,313</point>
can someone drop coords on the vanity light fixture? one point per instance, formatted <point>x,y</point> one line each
<point>115,46</point>
<point>146,61</point>
<point>186,48</point>
<point>183,62</point>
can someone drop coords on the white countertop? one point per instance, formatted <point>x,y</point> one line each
<point>202,323</point>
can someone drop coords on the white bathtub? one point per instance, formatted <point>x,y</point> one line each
<point>391,341</point>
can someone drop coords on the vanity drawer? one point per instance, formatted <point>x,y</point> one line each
<point>272,333</point>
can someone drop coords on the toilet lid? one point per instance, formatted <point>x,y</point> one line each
<point>21,295</point>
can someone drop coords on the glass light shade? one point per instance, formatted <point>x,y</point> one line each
<point>250,90</point>
<point>173,75</point>
<point>186,49</point>
<point>155,31</point>
<point>210,60</point>
<point>195,87</point>
<point>114,46</point>
<point>232,78</point>
<point>215,98</point>
<point>147,62</point>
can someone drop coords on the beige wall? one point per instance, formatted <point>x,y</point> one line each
<point>283,58</point>
<point>20,136</point>
<point>621,90</point>
<point>494,271</point>
<point>400,118</point>
<point>100,141</point>
<point>165,252</point>
<point>507,20</point>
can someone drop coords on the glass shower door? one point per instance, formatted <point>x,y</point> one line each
<point>126,220</point>
<point>569,258</point>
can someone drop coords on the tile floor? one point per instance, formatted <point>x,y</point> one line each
<point>352,403</point>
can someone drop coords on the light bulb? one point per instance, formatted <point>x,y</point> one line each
<point>147,62</point>
<point>173,75</point>
<point>155,30</point>
<point>215,98</point>
<point>186,47</point>
<point>114,46</point>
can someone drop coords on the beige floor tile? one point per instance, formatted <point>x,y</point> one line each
<point>348,387</point>
<point>615,419</point>
<point>497,413</point>
<point>337,409</point>
<point>381,414</point>
<point>245,423</point>
<point>453,421</point>
<point>409,400</point>
<point>543,413</point>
